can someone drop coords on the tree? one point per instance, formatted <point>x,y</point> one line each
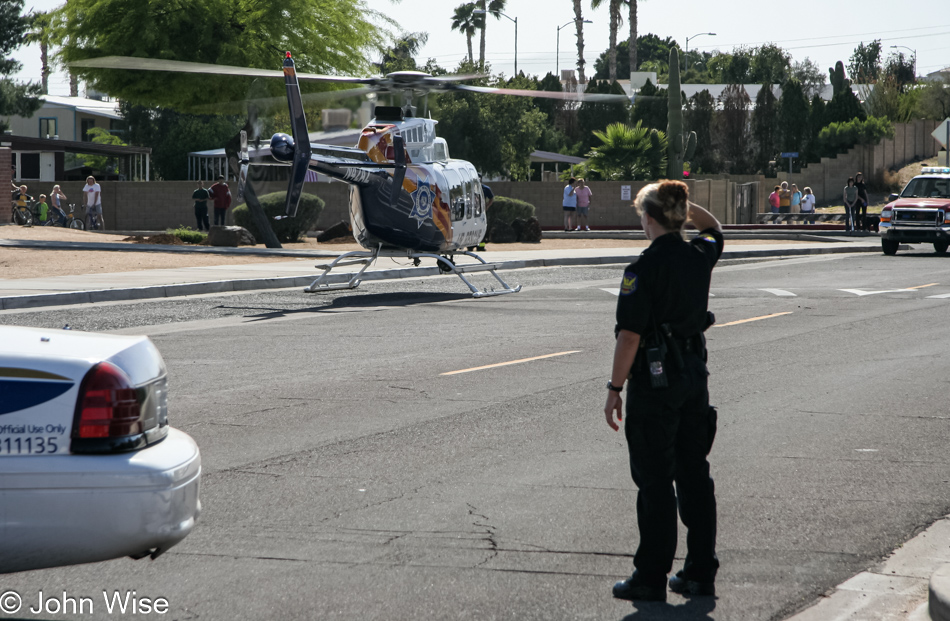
<point>900,71</point>
<point>615,21</point>
<point>764,124</point>
<point>816,120</point>
<point>810,76</point>
<point>699,116</point>
<point>629,153</point>
<point>172,135</point>
<point>401,56</point>
<point>792,116</point>
<point>15,98</point>
<point>467,22</point>
<point>632,56</point>
<point>490,6</point>
<point>593,116</point>
<point>579,23</point>
<point>732,133</point>
<point>41,33</point>
<point>935,99</point>
<point>325,37</point>
<point>101,163</point>
<point>844,105</point>
<point>865,63</point>
<point>771,64</point>
<point>496,133</point>
<point>651,107</point>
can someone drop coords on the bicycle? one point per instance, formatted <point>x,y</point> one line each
<point>71,221</point>
<point>93,219</point>
<point>23,214</point>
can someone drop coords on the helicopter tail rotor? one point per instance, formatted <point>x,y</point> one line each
<point>301,139</point>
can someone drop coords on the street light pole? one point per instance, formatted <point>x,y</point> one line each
<point>558,61</point>
<point>915,57</point>
<point>514,19</point>
<point>686,54</point>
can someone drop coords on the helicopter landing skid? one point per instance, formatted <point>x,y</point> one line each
<point>446,266</point>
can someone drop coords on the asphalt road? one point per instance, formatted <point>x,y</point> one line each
<point>345,477</point>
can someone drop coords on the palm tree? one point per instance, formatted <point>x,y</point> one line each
<point>40,32</point>
<point>632,20</point>
<point>579,23</point>
<point>465,21</point>
<point>492,6</point>
<point>615,21</point>
<point>628,153</point>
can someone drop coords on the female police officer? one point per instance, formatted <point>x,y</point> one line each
<point>661,316</point>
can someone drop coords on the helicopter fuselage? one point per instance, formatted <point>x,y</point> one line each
<point>441,207</point>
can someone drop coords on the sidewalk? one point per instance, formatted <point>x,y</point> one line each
<point>162,283</point>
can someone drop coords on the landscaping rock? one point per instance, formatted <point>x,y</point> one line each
<point>230,236</point>
<point>531,231</point>
<point>336,231</point>
<point>502,233</point>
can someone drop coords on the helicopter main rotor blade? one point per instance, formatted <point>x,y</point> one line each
<point>591,97</point>
<point>267,103</point>
<point>178,66</point>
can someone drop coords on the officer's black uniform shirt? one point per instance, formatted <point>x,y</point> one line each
<point>669,283</point>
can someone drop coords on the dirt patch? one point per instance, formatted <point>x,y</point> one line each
<point>30,263</point>
<point>165,239</point>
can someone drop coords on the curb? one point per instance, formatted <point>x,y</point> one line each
<point>40,300</point>
<point>939,598</point>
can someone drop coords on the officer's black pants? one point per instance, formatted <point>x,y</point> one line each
<point>669,434</point>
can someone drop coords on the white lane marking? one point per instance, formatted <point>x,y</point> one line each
<point>942,296</point>
<point>782,293</point>
<point>866,450</point>
<point>863,292</point>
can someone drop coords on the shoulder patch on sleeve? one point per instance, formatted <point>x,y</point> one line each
<point>707,237</point>
<point>629,284</point>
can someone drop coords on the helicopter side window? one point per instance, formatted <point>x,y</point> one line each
<point>456,194</point>
<point>469,198</point>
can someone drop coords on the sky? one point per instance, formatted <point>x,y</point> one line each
<point>824,31</point>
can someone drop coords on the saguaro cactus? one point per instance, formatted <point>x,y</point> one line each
<point>680,147</point>
<point>838,81</point>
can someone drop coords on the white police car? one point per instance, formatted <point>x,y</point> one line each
<point>89,468</point>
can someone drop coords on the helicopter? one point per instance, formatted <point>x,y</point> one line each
<point>408,197</point>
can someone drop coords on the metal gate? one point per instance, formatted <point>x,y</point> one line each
<point>746,194</point>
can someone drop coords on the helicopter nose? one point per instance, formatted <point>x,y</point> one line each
<point>282,147</point>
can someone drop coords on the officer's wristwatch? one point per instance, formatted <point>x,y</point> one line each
<point>610,386</point>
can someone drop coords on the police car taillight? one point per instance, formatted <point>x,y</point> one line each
<point>112,415</point>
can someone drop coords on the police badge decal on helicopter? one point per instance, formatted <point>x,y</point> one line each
<point>423,198</point>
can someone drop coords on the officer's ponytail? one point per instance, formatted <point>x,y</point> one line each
<point>666,202</point>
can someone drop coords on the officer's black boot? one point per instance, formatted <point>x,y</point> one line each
<point>635,588</point>
<point>684,586</point>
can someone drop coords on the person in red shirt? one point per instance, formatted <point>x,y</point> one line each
<point>221,194</point>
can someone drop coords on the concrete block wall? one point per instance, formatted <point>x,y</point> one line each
<point>912,141</point>
<point>159,205</point>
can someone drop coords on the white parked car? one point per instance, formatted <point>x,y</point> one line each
<point>89,468</point>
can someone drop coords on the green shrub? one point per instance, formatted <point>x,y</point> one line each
<point>837,138</point>
<point>187,234</point>
<point>506,209</point>
<point>287,230</point>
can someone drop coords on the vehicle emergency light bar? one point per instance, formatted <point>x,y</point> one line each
<point>938,170</point>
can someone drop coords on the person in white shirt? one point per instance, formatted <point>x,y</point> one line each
<point>808,204</point>
<point>93,195</point>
